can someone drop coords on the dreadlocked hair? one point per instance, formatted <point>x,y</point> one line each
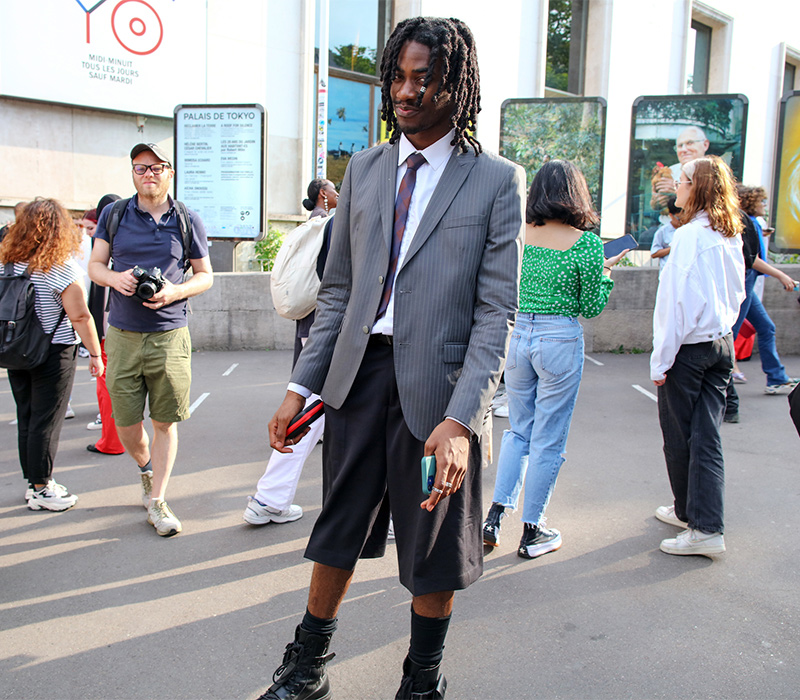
<point>452,43</point>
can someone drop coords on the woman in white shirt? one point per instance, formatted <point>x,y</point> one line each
<point>43,241</point>
<point>699,294</point>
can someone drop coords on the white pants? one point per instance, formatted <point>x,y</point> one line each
<point>279,483</point>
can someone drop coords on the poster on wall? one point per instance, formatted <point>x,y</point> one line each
<point>220,167</point>
<point>786,190</point>
<point>667,132</point>
<point>122,55</point>
<point>533,131</point>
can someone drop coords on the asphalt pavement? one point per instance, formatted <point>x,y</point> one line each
<point>94,605</point>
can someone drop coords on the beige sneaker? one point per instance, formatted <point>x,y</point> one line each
<point>163,519</point>
<point>147,488</point>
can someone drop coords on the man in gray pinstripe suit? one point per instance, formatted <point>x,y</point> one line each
<point>413,317</point>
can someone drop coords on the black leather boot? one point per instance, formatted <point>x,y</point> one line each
<point>302,675</point>
<point>421,683</point>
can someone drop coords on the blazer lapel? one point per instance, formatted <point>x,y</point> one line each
<point>386,187</point>
<point>455,172</point>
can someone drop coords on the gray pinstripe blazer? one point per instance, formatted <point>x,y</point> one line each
<point>455,295</point>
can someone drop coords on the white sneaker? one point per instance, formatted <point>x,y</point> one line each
<point>694,542</point>
<point>501,411</point>
<point>163,519</point>
<point>96,424</point>
<point>390,532</point>
<point>58,488</point>
<point>147,487</point>
<point>666,514</point>
<point>258,513</point>
<point>773,389</point>
<point>70,413</point>
<point>50,498</point>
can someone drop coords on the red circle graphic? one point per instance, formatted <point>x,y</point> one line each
<point>143,28</point>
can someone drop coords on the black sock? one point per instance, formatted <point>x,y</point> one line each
<point>318,625</point>
<point>147,467</point>
<point>427,639</point>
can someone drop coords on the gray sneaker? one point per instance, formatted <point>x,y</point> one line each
<point>147,488</point>
<point>163,519</point>
<point>773,389</point>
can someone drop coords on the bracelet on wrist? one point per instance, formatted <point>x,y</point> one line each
<point>90,355</point>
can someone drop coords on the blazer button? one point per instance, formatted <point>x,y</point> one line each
<point>366,329</point>
<point>380,279</point>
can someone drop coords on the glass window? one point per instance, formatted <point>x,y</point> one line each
<point>789,72</point>
<point>348,124</point>
<point>566,45</point>
<point>699,58</point>
<point>353,35</point>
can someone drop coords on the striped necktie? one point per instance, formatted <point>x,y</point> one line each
<point>400,217</point>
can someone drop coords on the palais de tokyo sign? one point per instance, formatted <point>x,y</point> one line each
<point>220,166</point>
<point>139,56</point>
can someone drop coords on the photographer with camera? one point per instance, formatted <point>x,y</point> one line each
<point>152,240</point>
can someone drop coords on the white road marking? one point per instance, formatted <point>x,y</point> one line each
<point>230,369</point>
<point>202,398</point>
<point>648,394</point>
<point>591,359</point>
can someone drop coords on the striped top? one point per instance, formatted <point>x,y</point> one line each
<point>49,286</point>
<point>565,282</point>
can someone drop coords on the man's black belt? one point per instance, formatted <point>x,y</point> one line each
<point>380,339</point>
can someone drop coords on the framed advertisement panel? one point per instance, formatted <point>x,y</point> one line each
<point>220,167</point>
<point>533,131</point>
<point>785,208</point>
<point>120,55</point>
<point>667,131</point>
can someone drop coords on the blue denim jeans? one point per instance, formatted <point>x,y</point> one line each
<point>543,374</point>
<point>753,310</point>
<point>690,407</point>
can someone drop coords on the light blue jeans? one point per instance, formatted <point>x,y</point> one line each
<point>543,375</point>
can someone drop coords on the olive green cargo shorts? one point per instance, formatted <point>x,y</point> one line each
<point>153,367</point>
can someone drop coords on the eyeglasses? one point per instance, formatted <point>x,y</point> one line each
<point>156,168</point>
<point>684,144</point>
<point>683,182</point>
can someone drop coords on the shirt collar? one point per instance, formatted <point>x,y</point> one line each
<point>437,154</point>
<point>135,200</point>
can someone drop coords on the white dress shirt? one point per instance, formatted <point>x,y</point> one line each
<point>699,293</point>
<point>428,176</point>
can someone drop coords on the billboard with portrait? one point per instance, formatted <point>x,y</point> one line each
<point>533,131</point>
<point>786,190</point>
<point>139,56</point>
<point>667,132</point>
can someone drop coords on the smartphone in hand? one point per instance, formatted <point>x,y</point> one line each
<point>616,246</point>
<point>297,426</point>
<point>428,473</point>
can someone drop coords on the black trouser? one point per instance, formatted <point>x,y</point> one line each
<point>42,395</point>
<point>691,404</point>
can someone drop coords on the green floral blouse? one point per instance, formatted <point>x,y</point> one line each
<point>565,282</point>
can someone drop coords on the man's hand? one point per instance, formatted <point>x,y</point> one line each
<point>168,294</point>
<point>292,405</point>
<point>659,382</point>
<point>449,442</point>
<point>124,282</point>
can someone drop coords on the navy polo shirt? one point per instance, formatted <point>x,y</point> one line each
<point>142,241</point>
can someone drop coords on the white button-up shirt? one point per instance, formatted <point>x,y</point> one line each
<point>699,293</point>
<point>428,176</point>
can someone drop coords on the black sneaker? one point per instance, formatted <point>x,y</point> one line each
<point>491,526</point>
<point>537,540</point>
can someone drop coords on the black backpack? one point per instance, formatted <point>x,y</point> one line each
<point>184,222</point>
<point>23,342</point>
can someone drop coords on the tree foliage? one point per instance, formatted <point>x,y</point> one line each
<point>360,59</point>
<point>535,132</point>
<point>559,25</point>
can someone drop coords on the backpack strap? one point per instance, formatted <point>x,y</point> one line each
<point>112,222</point>
<point>187,232</point>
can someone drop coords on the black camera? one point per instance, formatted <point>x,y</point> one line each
<point>148,282</point>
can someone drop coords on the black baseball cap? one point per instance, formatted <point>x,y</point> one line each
<point>157,151</point>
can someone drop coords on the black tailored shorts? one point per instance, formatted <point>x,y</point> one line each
<point>371,470</point>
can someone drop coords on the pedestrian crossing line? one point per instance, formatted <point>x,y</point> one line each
<point>648,394</point>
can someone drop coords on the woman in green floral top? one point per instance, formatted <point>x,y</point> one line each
<point>564,275</point>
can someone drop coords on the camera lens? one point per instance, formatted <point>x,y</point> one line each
<point>146,290</point>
